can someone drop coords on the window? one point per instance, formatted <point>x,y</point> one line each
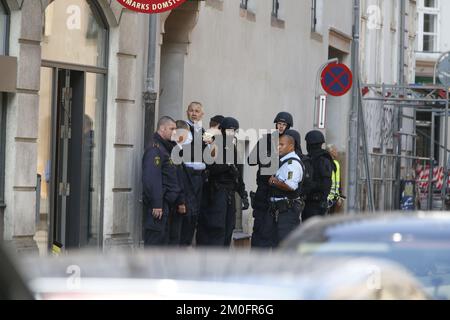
<point>244,4</point>
<point>429,14</point>
<point>275,8</point>
<point>4,26</point>
<point>3,29</point>
<point>316,15</point>
<point>67,24</point>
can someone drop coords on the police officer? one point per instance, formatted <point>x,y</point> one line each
<point>263,224</point>
<point>217,218</point>
<point>322,163</point>
<point>285,202</point>
<point>162,194</point>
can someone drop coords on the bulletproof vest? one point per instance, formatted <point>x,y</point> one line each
<point>323,167</point>
<point>308,175</point>
<point>264,179</point>
<point>277,193</point>
<point>225,173</point>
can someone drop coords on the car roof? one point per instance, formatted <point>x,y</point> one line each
<point>374,227</point>
<point>211,274</point>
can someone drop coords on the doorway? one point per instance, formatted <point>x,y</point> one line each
<point>70,157</point>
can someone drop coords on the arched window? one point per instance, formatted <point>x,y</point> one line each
<point>74,32</point>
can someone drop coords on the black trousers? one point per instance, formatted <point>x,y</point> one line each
<point>189,222</point>
<point>164,231</point>
<point>217,218</point>
<point>270,231</point>
<point>262,235</point>
<point>314,208</point>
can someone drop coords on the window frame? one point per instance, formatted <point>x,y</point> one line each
<point>3,103</point>
<point>422,11</point>
<point>313,15</point>
<point>244,4</point>
<point>275,8</point>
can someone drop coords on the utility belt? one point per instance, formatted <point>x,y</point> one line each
<point>280,206</point>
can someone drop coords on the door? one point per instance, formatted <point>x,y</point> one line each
<point>72,155</point>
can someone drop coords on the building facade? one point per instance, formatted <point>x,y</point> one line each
<point>73,136</point>
<point>92,78</point>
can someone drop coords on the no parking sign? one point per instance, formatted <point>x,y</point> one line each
<point>336,79</point>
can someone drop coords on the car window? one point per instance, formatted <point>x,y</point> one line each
<point>428,262</point>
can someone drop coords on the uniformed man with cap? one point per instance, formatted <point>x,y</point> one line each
<point>284,195</point>
<point>217,218</point>
<point>316,199</point>
<point>162,194</point>
<point>261,236</point>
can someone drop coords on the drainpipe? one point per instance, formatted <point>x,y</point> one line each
<point>353,117</point>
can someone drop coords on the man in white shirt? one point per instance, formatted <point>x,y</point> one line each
<point>286,204</point>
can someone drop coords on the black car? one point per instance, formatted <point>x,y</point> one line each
<point>420,242</point>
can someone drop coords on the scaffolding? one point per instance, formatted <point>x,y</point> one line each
<point>393,158</point>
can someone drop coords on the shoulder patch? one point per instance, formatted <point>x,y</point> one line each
<point>157,161</point>
<point>290,175</point>
<point>290,162</point>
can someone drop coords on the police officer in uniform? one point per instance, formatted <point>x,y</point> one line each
<point>217,218</point>
<point>263,224</point>
<point>162,194</point>
<point>285,202</point>
<point>316,197</point>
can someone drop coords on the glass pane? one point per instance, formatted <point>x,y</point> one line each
<point>44,156</point>
<point>73,34</point>
<point>3,25</point>
<point>430,3</point>
<point>429,23</point>
<point>428,43</point>
<point>92,153</point>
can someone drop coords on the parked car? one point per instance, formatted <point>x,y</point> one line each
<point>420,242</point>
<point>209,274</point>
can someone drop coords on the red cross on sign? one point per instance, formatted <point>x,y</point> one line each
<point>336,79</point>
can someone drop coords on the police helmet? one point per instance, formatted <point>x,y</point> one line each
<point>217,119</point>
<point>285,117</point>
<point>229,123</point>
<point>314,137</point>
<point>296,135</point>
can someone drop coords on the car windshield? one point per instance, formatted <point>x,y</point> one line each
<point>429,261</point>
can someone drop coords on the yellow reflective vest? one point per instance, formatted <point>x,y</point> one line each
<point>335,182</point>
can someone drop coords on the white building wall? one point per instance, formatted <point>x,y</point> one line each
<point>251,69</point>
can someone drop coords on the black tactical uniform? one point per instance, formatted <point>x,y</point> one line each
<point>263,224</point>
<point>217,218</point>
<point>317,193</point>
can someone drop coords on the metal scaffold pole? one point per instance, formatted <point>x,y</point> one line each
<point>353,117</point>
<point>399,120</point>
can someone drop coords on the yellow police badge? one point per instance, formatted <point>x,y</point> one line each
<point>157,161</point>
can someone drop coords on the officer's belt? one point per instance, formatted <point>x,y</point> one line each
<point>283,205</point>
